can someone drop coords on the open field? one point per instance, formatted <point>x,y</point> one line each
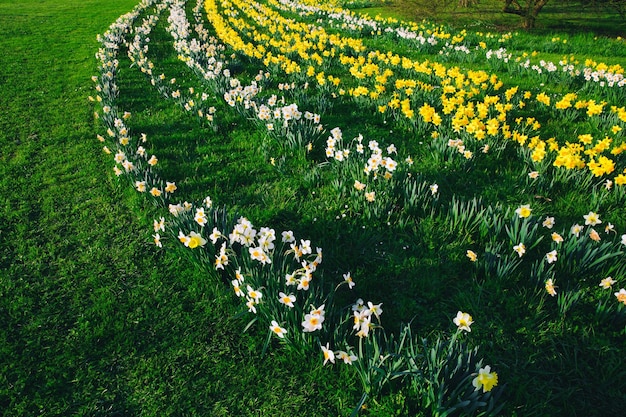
<point>480,180</point>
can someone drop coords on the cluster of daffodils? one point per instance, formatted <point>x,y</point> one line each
<point>375,75</point>
<point>568,69</point>
<point>260,245</point>
<point>588,245</point>
<point>374,180</point>
<point>363,314</point>
<point>245,250</point>
<point>248,253</point>
<point>284,120</point>
<point>256,257</point>
<point>377,163</point>
<point>423,36</point>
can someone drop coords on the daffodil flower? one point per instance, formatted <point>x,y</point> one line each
<point>621,296</point>
<point>170,187</point>
<point>520,249</point>
<point>287,236</point>
<point>364,328</point>
<point>548,222</point>
<point>256,295</point>
<point>485,379</point>
<point>216,234</point>
<point>375,309</point>
<point>159,225</point>
<point>195,240</point>
<point>609,228</point>
<point>463,321</point>
<point>237,288</point>
<point>286,299</point>
<point>312,322</point>
<point>551,256</point>
<point>346,357</point>
<point>523,211</point>
<point>557,238</point>
<point>348,279</point>
<point>200,217</point>
<point>607,282</point>
<point>251,305</point>
<point>329,355</point>
<point>550,288</point>
<point>278,331</point>
<point>592,219</point>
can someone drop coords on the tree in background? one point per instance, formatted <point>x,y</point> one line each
<point>527,9</point>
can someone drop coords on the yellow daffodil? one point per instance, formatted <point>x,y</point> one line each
<point>557,238</point>
<point>523,211</point>
<point>170,187</point>
<point>195,240</point>
<point>550,288</point>
<point>485,379</point>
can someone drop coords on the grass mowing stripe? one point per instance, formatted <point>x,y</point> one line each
<point>52,259</point>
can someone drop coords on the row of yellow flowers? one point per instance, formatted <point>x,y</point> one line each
<point>465,45</point>
<point>461,90</point>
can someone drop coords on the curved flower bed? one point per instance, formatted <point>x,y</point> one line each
<point>279,277</point>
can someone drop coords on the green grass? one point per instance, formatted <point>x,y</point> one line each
<point>98,322</point>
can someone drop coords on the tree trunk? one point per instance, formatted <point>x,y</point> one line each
<point>528,10</point>
<point>529,22</point>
